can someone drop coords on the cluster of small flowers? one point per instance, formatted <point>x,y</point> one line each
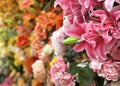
<point>58,75</point>
<point>96,24</point>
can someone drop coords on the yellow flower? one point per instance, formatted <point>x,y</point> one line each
<point>3,52</point>
<point>31,37</point>
<point>53,61</point>
<point>17,62</point>
<point>12,41</point>
<point>28,51</point>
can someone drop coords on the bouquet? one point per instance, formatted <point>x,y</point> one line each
<point>89,42</point>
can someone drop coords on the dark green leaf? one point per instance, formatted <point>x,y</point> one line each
<point>47,6</point>
<point>85,77</point>
<point>85,74</point>
<point>73,69</point>
<point>99,80</point>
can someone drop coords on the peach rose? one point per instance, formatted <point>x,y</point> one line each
<point>39,70</point>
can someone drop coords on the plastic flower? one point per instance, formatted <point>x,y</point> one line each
<point>25,4</point>
<point>48,49</point>
<point>53,61</point>
<point>57,38</point>
<point>58,75</point>
<point>108,69</point>
<point>7,82</point>
<point>65,4</point>
<point>39,70</point>
<point>22,41</point>
<point>110,5</point>
<point>114,51</point>
<point>96,24</point>
<point>90,39</point>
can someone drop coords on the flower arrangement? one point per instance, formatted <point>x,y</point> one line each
<point>26,39</point>
<point>45,46</point>
<point>90,27</point>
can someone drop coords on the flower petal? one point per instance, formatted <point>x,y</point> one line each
<point>90,52</point>
<point>80,46</point>
<point>109,4</point>
<point>101,50</point>
<point>75,30</point>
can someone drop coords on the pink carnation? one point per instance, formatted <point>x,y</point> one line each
<point>57,38</point>
<point>108,69</point>
<point>114,52</point>
<point>97,24</point>
<point>7,82</point>
<point>58,75</point>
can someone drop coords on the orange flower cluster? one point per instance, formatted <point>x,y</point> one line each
<point>38,21</point>
<point>46,23</point>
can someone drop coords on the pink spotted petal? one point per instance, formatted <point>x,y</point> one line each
<point>90,52</point>
<point>101,50</point>
<point>111,44</point>
<point>80,46</point>
<point>118,1</point>
<point>106,36</point>
<point>76,30</point>
<point>87,3</point>
<point>109,4</point>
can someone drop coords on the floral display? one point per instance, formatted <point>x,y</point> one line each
<point>91,27</point>
<point>59,42</point>
<point>25,41</point>
<point>58,74</point>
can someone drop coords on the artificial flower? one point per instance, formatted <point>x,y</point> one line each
<point>57,38</point>
<point>58,75</point>
<point>48,49</point>
<point>108,69</point>
<point>8,81</point>
<point>22,41</point>
<point>39,70</point>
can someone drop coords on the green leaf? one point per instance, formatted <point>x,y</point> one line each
<point>36,3</point>
<point>8,21</point>
<point>18,15</point>
<point>70,40</point>
<point>34,11</point>
<point>48,4</point>
<point>99,81</point>
<point>19,22</point>
<point>85,74</point>
<point>73,69</point>
<point>85,77</point>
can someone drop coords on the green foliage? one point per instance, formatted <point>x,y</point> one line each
<point>48,5</point>
<point>8,21</point>
<point>36,3</point>
<point>85,74</point>
<point>70,54</point>
<point>34,10</point>
<point>6,34</point>
<point>70,40</point>
<point>99,80</point>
